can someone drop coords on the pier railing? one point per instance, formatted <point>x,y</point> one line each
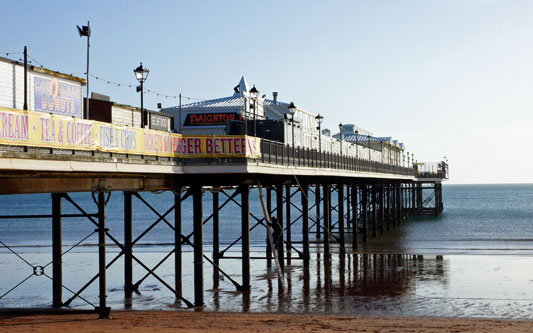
<point>278,153</point>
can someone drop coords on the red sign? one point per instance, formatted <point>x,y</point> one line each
<point>210,119</point>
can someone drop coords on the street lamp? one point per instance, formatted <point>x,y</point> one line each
<point>340,135</point>
<point>85,30</point>
<point>356,143</point>
<point>141,73</point>
<point>381,144</point>
<point>319,120</point>
<point>292,110</point>
<point>369,158</point>
<point>253,94</point>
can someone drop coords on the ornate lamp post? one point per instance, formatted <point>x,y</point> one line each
<point>319,120</point>
<point>292,111</point>
<point>254,93</point>
<point>141,73</point>
<point>340,136</point>
<point>356,143</point>
<point>369,157</point>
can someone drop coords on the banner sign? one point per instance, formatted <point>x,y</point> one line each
<point>37,129</point>
<point>53,96</point>
<point>210,119</point>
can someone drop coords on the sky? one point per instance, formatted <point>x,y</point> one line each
<point>445,77</point>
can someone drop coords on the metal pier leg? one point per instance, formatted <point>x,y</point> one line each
<point>399,203</point>
<point>57,267</point>
<point>279,211</point>
<point>381,209</point>
<point>269,209</point>
<point>388,208</point>
<point>216,239</point>
<point>103,310</point>
<point>317,206</point>
<point>178,276</point>
<point>245,230</point>
<point>355,217</point>
<point>330,210</point>
<point>198,246</point>
<point>128,249</point>
<point>420,188</point>
<point>374,213</point>
<point>364,212</point>
<point>340,208</point>
<point>288,228</point>
<point>327,223</point>
<point>305,224</point>
<point>414,196</point>
<point>392,192</point>
<point>348,206</point>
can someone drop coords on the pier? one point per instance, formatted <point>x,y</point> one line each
<point>337,199</point>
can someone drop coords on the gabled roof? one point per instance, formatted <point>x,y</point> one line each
<point>226,102</point>
<point>235,101</point>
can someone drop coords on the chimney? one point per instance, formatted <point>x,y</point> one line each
<point>275,95</point>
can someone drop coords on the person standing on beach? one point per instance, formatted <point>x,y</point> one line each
<point>276,231</point>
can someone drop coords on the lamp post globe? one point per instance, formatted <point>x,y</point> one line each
<point>141,74</point>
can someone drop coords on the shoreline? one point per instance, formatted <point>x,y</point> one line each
<point>201,321</point>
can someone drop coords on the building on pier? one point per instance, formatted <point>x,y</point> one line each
<point>46,90</point>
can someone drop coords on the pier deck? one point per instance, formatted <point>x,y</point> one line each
<point>370,197</point>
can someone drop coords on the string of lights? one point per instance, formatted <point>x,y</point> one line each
<point>118,84</point>
<point>146,90</point>
<point>31,61</point>
<point>8,53</point>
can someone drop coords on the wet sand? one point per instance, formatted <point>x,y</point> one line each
<point>190,321</point>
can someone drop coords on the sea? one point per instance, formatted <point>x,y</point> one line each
<point>475,260</point>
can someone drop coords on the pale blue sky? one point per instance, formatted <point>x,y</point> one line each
<point>445,77</point>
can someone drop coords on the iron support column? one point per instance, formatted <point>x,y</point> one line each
<point>389,210</point>
<point>381,209</point>
<point>128,245</point>
<point>305,224</point>
<point>103,310</point>
<point>178,270</point>
<point>317,206</point>
<point>245,232</point>
<point>279,211</point>
<point>374,213</point>
<point>364,212</point>
<point>327,223</point>
<point>216,238</point>
<point>269,209</point>
<point>340,208</point>
<point>354,217</point>
<point>57,267</point>
<point>413,198</point>
<point>288,228</point>
<point>198,246</point>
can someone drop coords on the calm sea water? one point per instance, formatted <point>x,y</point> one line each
<point>472,261</point>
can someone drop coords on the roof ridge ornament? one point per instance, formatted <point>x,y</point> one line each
<point>241,88</point>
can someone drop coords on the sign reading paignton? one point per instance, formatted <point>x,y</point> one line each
<point>54,96</point>
<point>27,128</point>
<point>210,119</point>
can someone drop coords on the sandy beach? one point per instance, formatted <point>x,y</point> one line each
<point>190,321</point>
